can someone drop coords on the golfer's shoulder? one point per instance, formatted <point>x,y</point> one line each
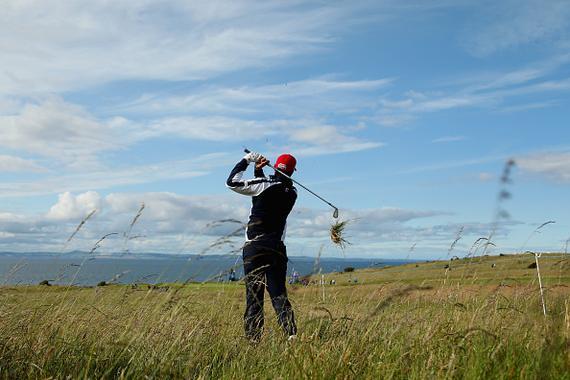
<point>286,185</point>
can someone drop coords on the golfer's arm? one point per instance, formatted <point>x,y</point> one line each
<point>251,187</point>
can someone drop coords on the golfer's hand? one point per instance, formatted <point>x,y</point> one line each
<point>252,157</point>
<point>261,162</point>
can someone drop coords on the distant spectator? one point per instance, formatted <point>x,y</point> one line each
<point>232,276</point>
<point>295,277</point>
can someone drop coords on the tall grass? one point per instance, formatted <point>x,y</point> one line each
<point>376,329</point>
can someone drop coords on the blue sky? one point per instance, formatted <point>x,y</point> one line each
<point>401,114</point>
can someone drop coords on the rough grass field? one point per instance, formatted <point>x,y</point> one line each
<point>472,320</point>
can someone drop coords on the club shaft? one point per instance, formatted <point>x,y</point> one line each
<point>303,186</point>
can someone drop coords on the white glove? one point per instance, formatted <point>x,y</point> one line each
<point>252,157</point>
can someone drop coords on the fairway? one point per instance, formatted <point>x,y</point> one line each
<point>415,321</point>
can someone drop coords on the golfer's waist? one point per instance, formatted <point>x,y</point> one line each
<point>265,236</point>
<point>255,247</point>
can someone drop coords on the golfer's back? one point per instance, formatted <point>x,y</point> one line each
<point>269,211</point>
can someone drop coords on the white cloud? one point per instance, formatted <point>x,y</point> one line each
<point>70,207</point>
<point>72,141</point>
<point>552,165</point>
<point>455,164</point>
<point>485,176</point>
<point>173,223</point>
<point>105,177</point>
<point>389,119</point>
<point>58,47</point>
<point>168,223</point>
<point>61,131</point>
<point>284,112</point>
<point>448,139</point>
<point>9,104</point>
<point>17,164</point>
<point>281,111</point>
<point>304,137</point>
<point>173,213</point>
<point>327,139</point>
<point>530,106</point>
<point>67,134</point>
<point>210,128</point>
<point>502,92</point>
<point>303,96</point>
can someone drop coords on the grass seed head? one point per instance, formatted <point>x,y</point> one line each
<point>337,230</point>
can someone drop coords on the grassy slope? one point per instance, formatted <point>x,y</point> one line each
<point>473,321</point>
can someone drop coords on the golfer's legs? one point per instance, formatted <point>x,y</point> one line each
<point>276,277</point>
<point>254,290</point>
<point>254,270</point>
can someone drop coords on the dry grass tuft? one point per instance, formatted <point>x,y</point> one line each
<point>337,231</point>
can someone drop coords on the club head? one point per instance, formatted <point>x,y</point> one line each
<point>335,213</point>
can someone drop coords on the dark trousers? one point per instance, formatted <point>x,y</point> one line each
<point>265,265</point>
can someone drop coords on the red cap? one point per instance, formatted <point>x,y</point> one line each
<point>286,163</point>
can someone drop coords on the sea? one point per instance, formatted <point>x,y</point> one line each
<point>82,269</point>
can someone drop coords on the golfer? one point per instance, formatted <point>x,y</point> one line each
<point>264,253</point>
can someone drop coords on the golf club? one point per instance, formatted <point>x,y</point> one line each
<point>335,212</point>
